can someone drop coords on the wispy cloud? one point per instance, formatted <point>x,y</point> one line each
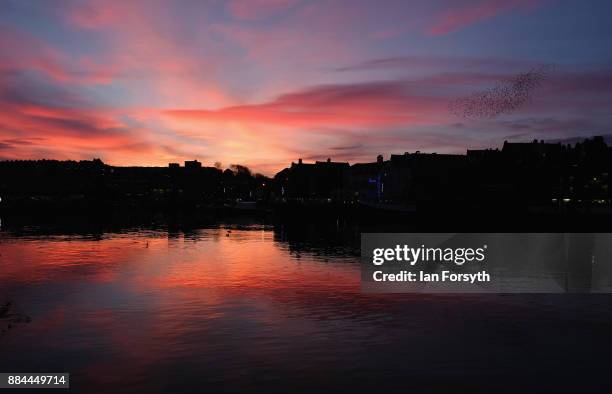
<point>257,9</point>
<point>463,14</point>
<point>21,51</point>
<point>436,62</point>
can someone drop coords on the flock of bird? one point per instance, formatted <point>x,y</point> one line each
<point>506,97</point>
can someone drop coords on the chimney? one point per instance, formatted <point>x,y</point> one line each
<point>379,159</point>
<point>329,160</point>
<point>299,161</point>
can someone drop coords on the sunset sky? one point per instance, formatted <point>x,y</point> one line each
<point>265,82</point>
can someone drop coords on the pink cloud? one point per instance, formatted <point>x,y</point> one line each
<point>20,51</point>
<point>149,49</point>
<point>268,135</point>
<point>121,15</point>
<point>473,12</point>
<point>358,105</point>
<point>67,130</point>
<point>257,9</point>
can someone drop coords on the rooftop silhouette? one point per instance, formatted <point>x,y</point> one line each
<point>540,176</point>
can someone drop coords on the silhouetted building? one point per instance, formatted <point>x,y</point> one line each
<point>520,174</point>
<point>191,164</point>
<point>367,181</point>
<point>321,180</point>
<point>425,177</point>
<point>516,177</point>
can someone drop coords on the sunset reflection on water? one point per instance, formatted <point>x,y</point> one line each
<point>252,308</point>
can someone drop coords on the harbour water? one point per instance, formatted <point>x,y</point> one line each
<point>246,307</point>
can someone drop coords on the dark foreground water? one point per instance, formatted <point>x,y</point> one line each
<point>258,308</point>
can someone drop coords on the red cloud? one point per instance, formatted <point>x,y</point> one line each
<point>65,132</point>
<point>358,106</point>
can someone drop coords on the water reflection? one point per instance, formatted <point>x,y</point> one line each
<point>276,307</point>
